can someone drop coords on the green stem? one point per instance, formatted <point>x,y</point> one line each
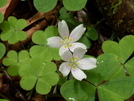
<point>98,22</point>
<point>3,96</point>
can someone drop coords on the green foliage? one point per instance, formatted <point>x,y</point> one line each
<point>92,33</point>
<point>74,5</point>
<point>108,67</point>
<point>45,5</point>
<point>123,50</point>
<point>67,16</point>
<point>129,67</point>
<point>40,38</point>
<point>11,30</point>
<point>14,60</point>
<point>48,5</point>
<point>118,89</point>
<point>2,50</point>
<point>3,3</point>
<point>86,41</point>
<point>1,17</point>
<point>39,73</point>
<point>74,90</point>
<point>3,100</point>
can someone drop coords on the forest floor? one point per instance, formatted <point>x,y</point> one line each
<point>9,86</point>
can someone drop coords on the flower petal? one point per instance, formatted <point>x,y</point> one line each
<point>54,42</point>
<point>63,29</point>
<point>78,74</point>
<point>77,33</point>
<point>62,49</point>
<point>66,55</point>
<point>64,68</point>
<point>79,52</point>
<point>87,63</point>
<point>76,45</point>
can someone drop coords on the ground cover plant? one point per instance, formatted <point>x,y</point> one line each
<point>56,50</point>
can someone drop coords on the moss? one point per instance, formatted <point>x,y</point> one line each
<point>119,14</point>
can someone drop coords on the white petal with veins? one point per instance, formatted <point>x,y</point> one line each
<point>78,74</point>
<point>87,63</point>
<point>77,33</point>
<point>54,42</point>
<point>64,68</point>
<point>79,52</point>
<point>76,45</point>
<point>63,29</point>
<point>62,49</point>
<point>66,55</point>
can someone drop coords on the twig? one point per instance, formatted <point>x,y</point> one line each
<point>18,93</point>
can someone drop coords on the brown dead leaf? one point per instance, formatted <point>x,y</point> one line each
<point>8,8</point>
<point>38,97</point>
<point>1,81</point>
<point>39,21</point>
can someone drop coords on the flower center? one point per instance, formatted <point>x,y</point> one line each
<point>73,63</point>
<point>67,42</point>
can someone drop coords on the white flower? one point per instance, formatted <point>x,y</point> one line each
<point>67,41</point>
<point>74,63</point>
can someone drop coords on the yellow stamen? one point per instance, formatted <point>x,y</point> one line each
<point>70,45</point>
<point>75,58</point>
<point>62,42</point>
<point>70,59</point>
<point>65,37</point>
<point>69,64</point>
<point>74,67</point>
<point>65,46</point>
<point>70,39</point>
<point>78,63</point>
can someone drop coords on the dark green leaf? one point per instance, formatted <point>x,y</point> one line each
<point>116,90</point>
<point>85,41</point>
<point>92,33</point>
<point>3,3</point>
<point>45,5</point>
<point>39,38</point>
<point>74,5</point>
<point>108,67</point>
<point>73,90</point>
<point>130,67</point>
<point>1,17</point>
<point>2,50</point>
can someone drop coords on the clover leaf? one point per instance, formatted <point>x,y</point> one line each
<point>118,89</point>
<point>14,60</point>
<point>74,5</point>
<point>67,16</point>
<point>3,3</point>
<point>1,17</point>
<point>45,5</point>
<point>123,50</point>
<point>78,91</point>
<point>85,41</point>
<point>40,74</point>
<point>2,50</point>
<point>42,50</point>
<point>4,100</point>
<point>11,30</point>
<point>108,68</point>
<point>92,33</point>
